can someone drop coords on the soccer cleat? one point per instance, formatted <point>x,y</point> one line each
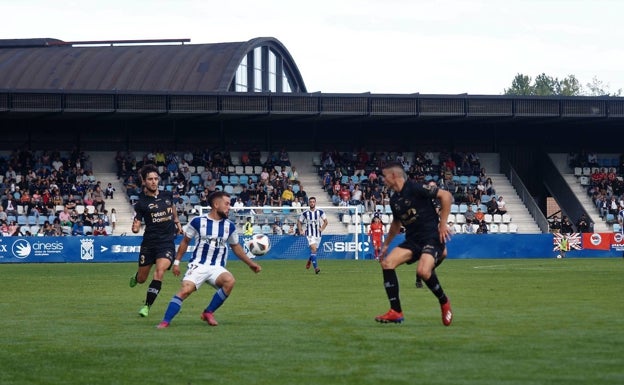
<point>392,316</point>
<point>162,325</point>
<point>447,313</point>
<point>133,281</point>
<point>308,264</point>
<point>419,283</point>
<point>144,311</point>
<point>208,317</point>
<point>317,270</point>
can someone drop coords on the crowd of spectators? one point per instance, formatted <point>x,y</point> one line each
<point>51,190</point>
<point>604,184</point>
<point>192,175</point>
<point>355,178</point>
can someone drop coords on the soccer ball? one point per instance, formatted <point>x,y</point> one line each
<point>259,244</point>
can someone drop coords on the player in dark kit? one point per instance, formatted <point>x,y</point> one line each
<point>426,233</point>
<point>157,209</point>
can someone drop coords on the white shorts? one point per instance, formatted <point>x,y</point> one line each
<point>314,240</point>
<point>199,273</point>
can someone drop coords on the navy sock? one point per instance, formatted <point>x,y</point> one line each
<point>434,285</point>
<point>391,283</point>
<point>152,292</point>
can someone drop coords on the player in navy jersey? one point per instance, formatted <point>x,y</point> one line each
<point>426,233</point>
<point>157,210</point>
<point>315,222</point>
<point>213,233</point>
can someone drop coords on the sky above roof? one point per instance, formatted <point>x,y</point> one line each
<point>355,46</point>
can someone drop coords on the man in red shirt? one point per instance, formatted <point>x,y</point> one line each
<point>375,234</point>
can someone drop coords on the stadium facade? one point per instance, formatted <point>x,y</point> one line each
<point>139,95</point>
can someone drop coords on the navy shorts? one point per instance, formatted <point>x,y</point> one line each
<point>430,246</point>
<point>149,254</point>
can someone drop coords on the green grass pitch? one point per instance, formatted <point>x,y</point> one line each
<point>522,321</point>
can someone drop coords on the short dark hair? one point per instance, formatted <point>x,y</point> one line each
<point>146,170</point>
<point>217,195</point>
<point>392,165</point>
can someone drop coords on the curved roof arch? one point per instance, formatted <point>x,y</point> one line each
<point>52,65</point>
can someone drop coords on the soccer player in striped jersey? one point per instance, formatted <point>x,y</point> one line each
<point>315,222</point>
<point>213,233</point>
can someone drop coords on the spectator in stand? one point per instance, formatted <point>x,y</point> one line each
<point>566,225</point>
<point>105,218</point>
<point>489,187</point>
<point>288,196</point>
<point>328,162</point>
<point>344,194</point>
<point>343,204</point>
<point>335,192</point>
<point>450,165</point>
<point>372,177</point>
<point>359,165</point>
<point>327,181</point>
<point>65,217</point>
<point>555,225</point>
<point>479,216</point>
<point>284,158</point>
<point>109,192</point>
<point>469,215</point>
<point>467,228</point>
<point>293,175</point>
<point>98,198</point>
<point>113,219</point>
<point>275,197</point>
<point>367,199</point>
<point>264,175</point>
<point>239,209</point>
<point>131,184</point>
<point>583,225</point>
<point>87,198</point>
<point>501,206</point>
<point>3,215</point>
<point>356,195</point>
<point>10,205</point>
<point>78,228</point>
<point>4,229</point>
<point>13,228</point>
<point>492,206</point>
<point>56,226</point>
<point>261,195</point>
<point>297,204</point>
<point>245,195</point>
<point>255,157</point>
<point>592,159</point>
<point>99,228</point>
<point>302,195</point>
<point>613,206</point>
<point>482,229</point>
